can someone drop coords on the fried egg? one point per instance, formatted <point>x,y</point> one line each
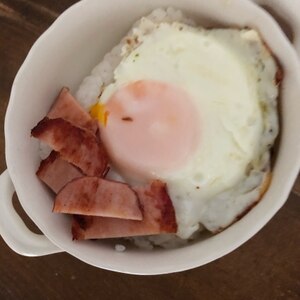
<point>195,108</point>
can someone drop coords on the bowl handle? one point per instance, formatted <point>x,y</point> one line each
<point>12,228</point>
<point>287,10</point>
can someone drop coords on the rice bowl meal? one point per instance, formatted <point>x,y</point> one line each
<point>169,136</point>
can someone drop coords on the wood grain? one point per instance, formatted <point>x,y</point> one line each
<point>296,187</point>
<point>265,268</point>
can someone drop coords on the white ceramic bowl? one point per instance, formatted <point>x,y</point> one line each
<point>65,54</point>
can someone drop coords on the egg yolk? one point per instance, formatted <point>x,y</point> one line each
<point>152,127</point>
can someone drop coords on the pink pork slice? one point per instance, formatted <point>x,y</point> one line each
<point>95,196</point>
<point>67,108</point>
<point>159,217</point>
<point>56,172</point>
<point>75,145</point>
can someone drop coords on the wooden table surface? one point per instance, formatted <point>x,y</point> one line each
<point>266,267</point>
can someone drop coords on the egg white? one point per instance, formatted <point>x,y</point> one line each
<point>229,74</point>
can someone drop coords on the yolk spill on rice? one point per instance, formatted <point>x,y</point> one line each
<point>98,111</point>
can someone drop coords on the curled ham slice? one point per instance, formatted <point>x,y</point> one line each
<point>159,217</point>
<point>56,172</point>
<point>67,108</point>
<point>98,197</point>
<point>75,145</point>
<point>101,208</point>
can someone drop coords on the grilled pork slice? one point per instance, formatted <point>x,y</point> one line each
<point>75,145</point>
<point>159,217</point>
<point>67,108</point>
<point>95,196</point>
<point>56,172</point>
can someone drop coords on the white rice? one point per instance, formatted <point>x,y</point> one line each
<point>120,248</point>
